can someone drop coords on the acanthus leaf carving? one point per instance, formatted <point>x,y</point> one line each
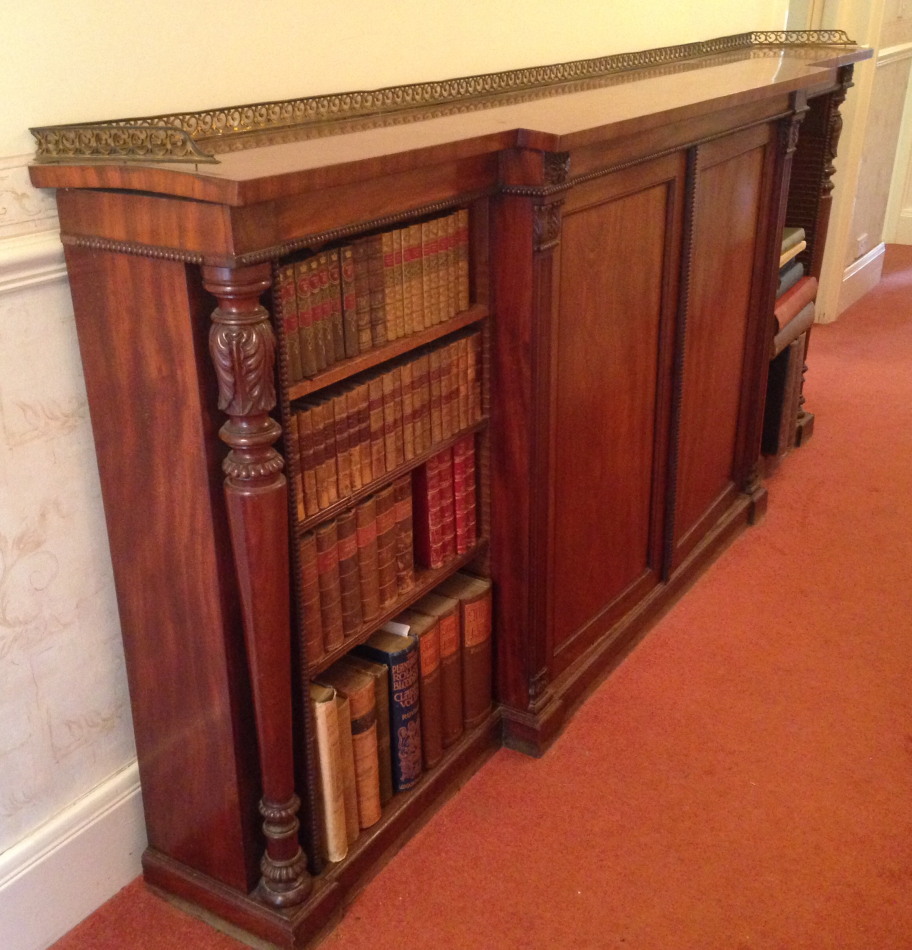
<point>244,358</point>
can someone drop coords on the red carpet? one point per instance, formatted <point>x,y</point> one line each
<point>744,778</point>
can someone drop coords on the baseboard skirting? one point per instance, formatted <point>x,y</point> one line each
<point>31,260</point>
<point>860,277</point>
<point>72,864</point>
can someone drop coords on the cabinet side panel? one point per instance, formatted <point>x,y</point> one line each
<point>729,197</point>
<point>152,402</point>
<point>607,344</point>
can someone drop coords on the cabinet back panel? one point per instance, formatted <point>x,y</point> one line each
<point>729,196</point>
<point>607,356</point>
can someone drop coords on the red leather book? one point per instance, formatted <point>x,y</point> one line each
<point>428,484</point>
<point>795,299</point>
<point>421,384</point>
<point>474,596</point>
<point>447,502</point>
<point>368,572</point>
<point>311,617</point>
<point>386,545</point>
<point>330,588</point>
<point>349,580</point>
<point>464,494</point>
<point>446,611</point>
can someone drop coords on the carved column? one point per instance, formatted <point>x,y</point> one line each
<point>242,346</point>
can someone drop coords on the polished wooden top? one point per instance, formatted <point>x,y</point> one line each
<point>558,117</point>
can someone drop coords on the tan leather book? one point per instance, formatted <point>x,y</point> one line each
<point>475,601</point>
<point>358,688</point>
<point>368,569</point>
<point>462,260</point>
<point>406,372</point>
<point>329,768</point>
<point>386,545</point>
<point>306,336</point>
<point>446,610</point>
<point>332,282</point>
<point>349,785</point>
<point>429,265</point>
<point>338,406</point>
<point>377,285</point>
<point>426,629</point>
<point>349,297</point>
<point>377,426</point>
<point>286,304</point>
<point>435,381</point>
<point>380,673</point>
<point>330,589</point>
<point>295,462</point>
<point>349,580</point>
<point>392,418</point>
<point>311,614</point>
<point>411,269</point>
<point>322,337</point>
<point>362,296</point>
<point>359,408</point>
<point>422,390</point>
<point>405,540</point>
<point>309,459</point>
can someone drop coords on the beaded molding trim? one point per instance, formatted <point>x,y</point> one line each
<point>180,137</point>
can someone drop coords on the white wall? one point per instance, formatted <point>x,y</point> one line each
<point>65,733</point>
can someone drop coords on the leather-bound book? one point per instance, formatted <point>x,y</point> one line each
<point>386,545</point>
<point>429,271</point>
<point>380,673</point>
<point>435,380</point>
<point>406,372</point>
<point>359,411</point>
<point>449,295</point>
<point>286,299</point>
<point>428,483</point>
<point>462,259</point>
<point>392,419</point>
<point>310,455</point>
<point>306,336</point>
<point>338,405</point>
<point>474,377</point>
<point>349,298</point>
<point>293,453</point>
<point>462,414</point>
<point>349,783</point>
<point>448,391</point>
<point>311,613</point>
<point>349,579</point>
<point>330,588</point>
<point>358,688</point>
<point>447,504</point>
<point>405,540</point>
<point>422,389</point>
<point>329,762</point>
<point>377,426</point>
<point>362,296</point>
<point>464,494</point>
<point>377,286</point>
<point>411,267</point>
<point>446,611</point>
<point>368,568</point>
<point>474,596</point>
<point>426,629</point>
<point>400,655</point>
<point>334,315</point>
<point>347,398</point>
<point>794,300</point>
<point>322,335</point>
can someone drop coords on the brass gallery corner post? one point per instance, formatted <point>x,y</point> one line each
<point>242,345</point>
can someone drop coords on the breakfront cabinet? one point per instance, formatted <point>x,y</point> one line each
<point>563,275</point>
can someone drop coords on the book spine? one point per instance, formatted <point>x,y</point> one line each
<point>407,377</point>
<point>435,382</point>
<point>476,659</point>
<point>349,780</point>
<point>386,545</point>
<point>377,284</point>
<point>462,259</point>
<point>330,467</point>
<point>349,581</point>
<point>390,283</point>
<point>474,377</point>
<point>362,296</point>
<point>463,417</point>
<point>451,678</point>
<point>348,293</point>
<point>368,572</point>
<point>311,615</point>
<point>362,707</point>
<point>449,293</point>
<point>306,343</point>
<point>422,389</point>
<point>322,353</point>
<point>338,406</point>
<point>446,500</point>
<point>334,304</point>
<point>293,453</point>
<point>428,258</point>
<point>449,391</point>
<point>391,415</point>
<point>413,280</point>
<point>349,398</point>
<point>329,761</point>
<point>431,697</point>
<point>464,495</point>
<point>310,456</point>
<point>361,411</point>
<point>428,514</point>
<point>287,304</point>
<point>405,547</point>
<point>380,674</point>
<point>405,722</point>
<point>377,426</point>
<point>328,580</point>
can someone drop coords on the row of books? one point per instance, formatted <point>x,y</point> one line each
<point>360,562</point>
<point>796,292</point>
<point>386,712</point>
<point>353,434</point>
<point>351,299</point>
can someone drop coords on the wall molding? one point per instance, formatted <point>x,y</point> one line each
<point>30,260</point>
<point>894,54</point>
<point>95,844</point>
<point>860,277</point>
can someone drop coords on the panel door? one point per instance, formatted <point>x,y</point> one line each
<point>731,188</point>
<point>611,366</point>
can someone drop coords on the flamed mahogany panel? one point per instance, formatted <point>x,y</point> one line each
<point>729,197</point>
<point>608,352</point>
<point>161,484</point>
